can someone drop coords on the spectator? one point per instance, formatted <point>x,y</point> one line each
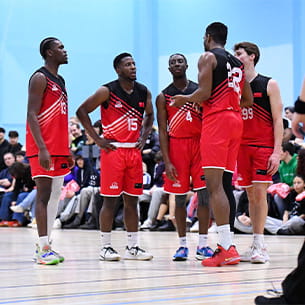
<point>4,145</point>
<point>14,145</point>
<point>151,147</point>
<point>78,139</point>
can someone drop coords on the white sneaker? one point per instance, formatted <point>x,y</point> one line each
<point>17,208</point>
<point>109,254</point>
<point>57,224</point>
<point>260,256</point>
<point>146,224</point>
<point>136,253</point>
<point>255,255</point>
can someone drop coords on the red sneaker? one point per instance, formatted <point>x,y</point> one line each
<point>14,223</point>
<point>4,223</point>
<point>222,257</point>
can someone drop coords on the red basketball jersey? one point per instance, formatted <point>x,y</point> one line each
<point>258,122</point>
<point>52,118</point>
<point>185,121</point>
<point>122,114</point>
<point>228,82</point>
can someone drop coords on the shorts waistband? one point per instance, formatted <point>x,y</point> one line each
<point>124,145</point>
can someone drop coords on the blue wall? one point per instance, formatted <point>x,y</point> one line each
<point>94,31</point>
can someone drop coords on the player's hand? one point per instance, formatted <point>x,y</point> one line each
<point>44,158</point>
<point>273,164</point>
<point>140,143</point>
<point>106,144</point>
<point>178,100</point>
<point>171,172</point>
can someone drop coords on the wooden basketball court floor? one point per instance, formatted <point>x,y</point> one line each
<point>83,279</point>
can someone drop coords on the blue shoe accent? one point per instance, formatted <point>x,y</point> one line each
<point>181,254</point>
<point>203,253</point>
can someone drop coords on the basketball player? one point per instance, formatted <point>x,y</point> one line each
<point>179,132</point>
<point>222,86</point>
<point>260,149</point>
<point>123,103</point>
<point>48,153</point>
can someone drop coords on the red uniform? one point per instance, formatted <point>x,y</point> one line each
<point>184,130</point>
<point>53,123</point>
<point>222,127</point>
<point>122,117</point>
<point>258,136</point>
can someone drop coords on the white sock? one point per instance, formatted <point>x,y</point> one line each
<point>232,236</point>
<point>202,240</point>
<point>43,241</point>
<point>106,239</point>
<point>52,208</point>
<point>132,239</point>
<point>182,241</point>
<point>258,240</point>
<point>224,235</point>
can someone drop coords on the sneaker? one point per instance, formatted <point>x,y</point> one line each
<point>146,224</point>
<point>136,253</point>
<point>60,257</point>
<point>260,256</point>
<point>255,255</point>
<point>204,253</point>
<point>181,254</point>
<point>17,208</point>
<point>46,256</point>
<point>57,224</point>
<point>261,300</point>
<point>109,254</point>
<point>222,257</point>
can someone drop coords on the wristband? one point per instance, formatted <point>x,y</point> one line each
<point>299,106</point>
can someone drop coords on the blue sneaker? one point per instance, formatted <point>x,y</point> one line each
<point>204,253</point>
<point>181,254</point>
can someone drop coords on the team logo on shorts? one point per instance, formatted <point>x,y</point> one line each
<point>114,186</point>
<point>177,184</point>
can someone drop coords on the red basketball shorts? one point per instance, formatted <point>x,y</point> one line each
<point>121,172</point>
<point>59,167</point>
<point>184,154</point>
<point>220,140</point>
<point>252,164</point>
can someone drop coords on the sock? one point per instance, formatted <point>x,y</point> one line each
<point>258,240</point>
<point>224,235</point>
<point>106,239</point>
<point>202,241</point>
<point>182,241</point>
<point>132,239</point>
<point>43,241</point>
<point>52,208</point>
<point>232,237</point>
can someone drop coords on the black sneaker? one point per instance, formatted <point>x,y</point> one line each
<point>261,300</point>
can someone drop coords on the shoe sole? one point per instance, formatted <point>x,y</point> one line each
<point>179,259</point>
<point>258,261</point>
<point>138,259</point>
<point>53,262</point>
<point>114,259</point>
